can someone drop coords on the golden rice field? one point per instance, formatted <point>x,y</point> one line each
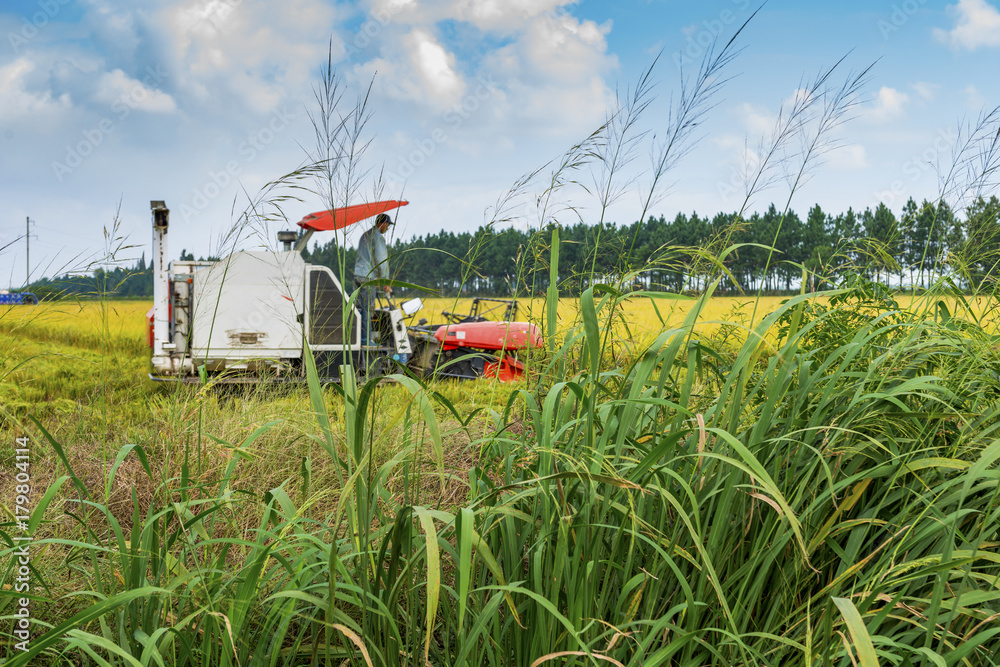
<point>111,325</point>
<point>120,325</point>
<point>640,319</point>
<point>60,356</point>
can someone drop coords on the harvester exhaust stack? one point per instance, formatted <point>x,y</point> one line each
<point>287,239</point>
<point>161,286</point>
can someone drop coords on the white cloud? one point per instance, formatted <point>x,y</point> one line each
<point>728,141</point>
<point>757,120</point>
<point>416,68</point>
<point>435,67</point>
<point>889,103</point>
<point>505,14</point>
<point>974,98</point>
<point>545,61</point>
<point>501,16</point>
<point>927,91</point>
<point>977,24</point>
<point>114,26</point>
<point>258,51</point>
<point>848,157</point>
<point>18,102</point>
<point>736,150</point>
<point>760,123</point>
<point>554,72</point>
<point>800,99</point>
<point>560,109</point>
<point>565,49</point>
<point>116,87</point>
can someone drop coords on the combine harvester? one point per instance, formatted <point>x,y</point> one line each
<point>17,298</point>
<point>249,317</point>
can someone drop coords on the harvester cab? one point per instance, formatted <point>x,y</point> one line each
<point>251,316</point>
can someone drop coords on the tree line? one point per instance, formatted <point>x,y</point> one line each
<point>908,250</point>
<point>134,282</point>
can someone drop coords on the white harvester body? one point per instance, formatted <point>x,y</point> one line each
<point>254,312</point>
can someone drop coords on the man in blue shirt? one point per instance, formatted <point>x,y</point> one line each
<point>372,264</point>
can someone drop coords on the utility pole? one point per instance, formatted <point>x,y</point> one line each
<point>28,222</point>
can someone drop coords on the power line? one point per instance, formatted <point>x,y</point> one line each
<point>62,233</point>
<point>11,243</point>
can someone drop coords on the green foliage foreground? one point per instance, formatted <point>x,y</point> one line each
<point>830,499</point>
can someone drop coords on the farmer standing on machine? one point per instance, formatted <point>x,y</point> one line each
<point>372,264</point>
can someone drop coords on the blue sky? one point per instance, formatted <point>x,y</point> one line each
<point>108,104</point>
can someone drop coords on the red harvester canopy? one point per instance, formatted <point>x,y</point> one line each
<point>338,218</point>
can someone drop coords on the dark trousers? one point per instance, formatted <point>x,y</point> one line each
<point>365,302</point>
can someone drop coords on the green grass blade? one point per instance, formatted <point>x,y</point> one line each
<point>552,294</point>
<point>433,573</point>
<point>95,611</point>
<point>859,633</point>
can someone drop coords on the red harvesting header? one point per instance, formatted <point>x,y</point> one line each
<point>489,335</point>
<point>338,218</point>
